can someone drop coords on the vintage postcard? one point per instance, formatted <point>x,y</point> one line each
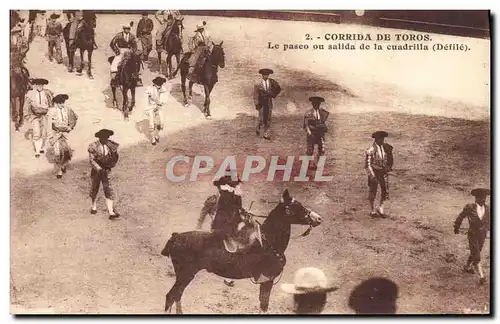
<point>250,162</point>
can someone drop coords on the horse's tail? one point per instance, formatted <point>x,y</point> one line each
<point>168,246</point>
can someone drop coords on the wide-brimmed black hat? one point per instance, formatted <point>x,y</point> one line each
<point>480,192</point>
<point>159,81</point>
<point>60,98</point>
<point>227,180</point>
<point>316,99</point>
<point>39,81</point>
<point>104,133</point>
<point>54,16</point>
<point>266,71</point>
<point>380,134</point>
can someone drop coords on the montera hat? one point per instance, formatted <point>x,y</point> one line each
<point>60,98</point>
<point>316,99</point>
<point>480,192</point>
<point>266,71</point>
<point>159,81</point>
<point>39,81</point>
<point>104,133</point>
<point>308,280</point>
<point>379,134</point>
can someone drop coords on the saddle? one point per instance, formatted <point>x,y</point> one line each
<point>246,236</point>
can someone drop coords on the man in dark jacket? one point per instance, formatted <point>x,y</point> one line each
<point>103,156</point>
<point>264,92</point>
<point>478,214</point>
<point>315,127</point>
<point>144,29</point>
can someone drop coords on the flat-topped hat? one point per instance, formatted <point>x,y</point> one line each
<point>308,280</point>
<point>54,16</point>
<point>316,99</point>
<point>380,134</point>
<point>266,71</point>
<point>39,81</point>
<point>104,133</point>
<point>159,81</point>
<point>60,98</point>
<point>480,192</point>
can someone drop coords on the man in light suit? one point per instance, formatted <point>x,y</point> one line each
<point>264,92</point>
<point>478,214</point>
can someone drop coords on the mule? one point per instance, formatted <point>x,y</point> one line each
<point>127,78</point>
<point>206,75</point>
<point>194,251</point>
<point>84,40</point>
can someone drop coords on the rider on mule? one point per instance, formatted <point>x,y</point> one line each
<point>232,222</point>
<point>199,45</point>
<point>123,43</point>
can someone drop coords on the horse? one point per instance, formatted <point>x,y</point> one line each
<point>126,78</point>
<point>172,44</point>
<point>194,251</point>
<point>206,75</point>
<point>84,40</point>
<point>19,86</point>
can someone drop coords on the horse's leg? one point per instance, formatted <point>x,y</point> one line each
<point>132,102</point>
<point>89,68</point>
<point>159,60</point>
<point>113,90</point>
<point>183,87</point>
<point>80,69</point>
<point>190,89</point>
<point>175,294</point>
<point>206,106</point>
<point>265,292</point>
<point>125,102</point>
<point>169,66</point>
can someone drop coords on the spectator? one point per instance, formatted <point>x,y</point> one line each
<point>309,291</point>
<point>374,296</point>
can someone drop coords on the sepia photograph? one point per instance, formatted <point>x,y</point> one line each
<point>250,162</point>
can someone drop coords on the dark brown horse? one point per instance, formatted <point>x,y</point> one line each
<point>206,75</point>
<point>194,251</point>
<point>19,86</point>
<point>172,45</point>
<point>126,78</point>
<point>84,40</point>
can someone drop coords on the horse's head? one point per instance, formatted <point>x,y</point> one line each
<point>218,56</point>
<point>297,213</point>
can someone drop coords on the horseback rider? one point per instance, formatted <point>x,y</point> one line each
<point>166,21</point>
<point>18,44</point>
<point>200,46</point>
<point>231,218</point>
<point>123,43</point>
